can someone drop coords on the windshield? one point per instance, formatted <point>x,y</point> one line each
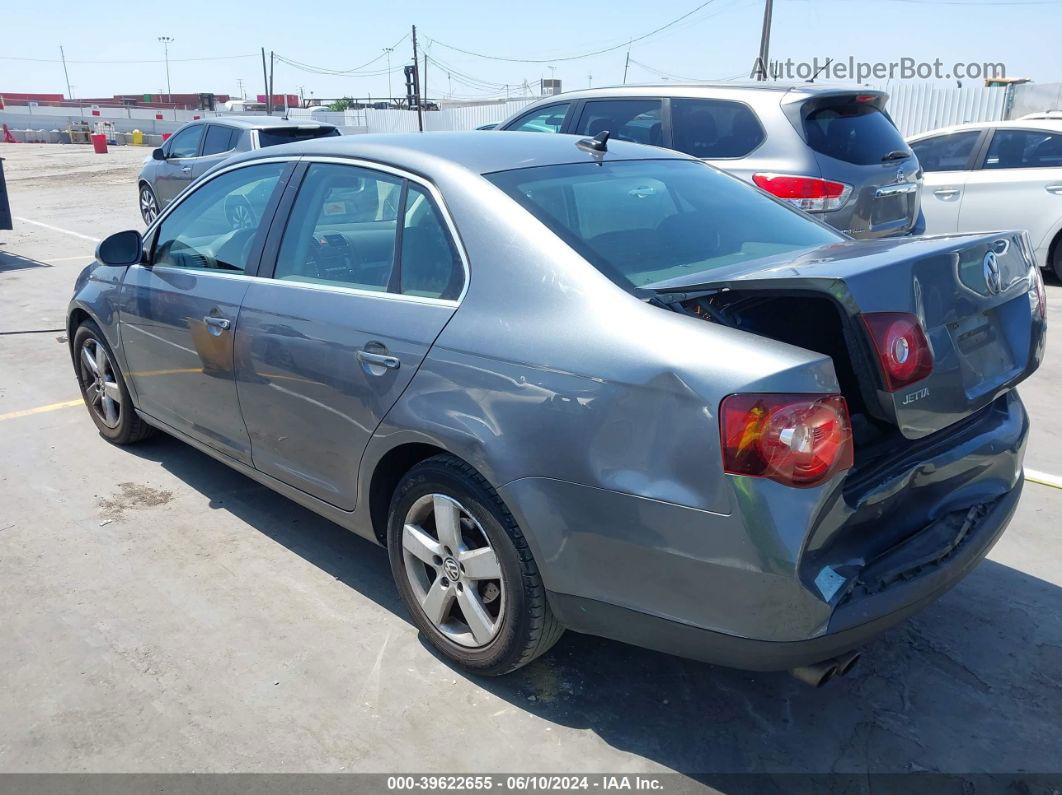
<point>646,221</point>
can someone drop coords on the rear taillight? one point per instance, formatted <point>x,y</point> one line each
<point>797,440</point>
<point>902,348</point>
<point>1038,296</point>
<point>811,194</point>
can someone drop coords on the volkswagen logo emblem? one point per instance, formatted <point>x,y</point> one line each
<point>452,569</point>
<point>993,280</point>
<point>900,176</point>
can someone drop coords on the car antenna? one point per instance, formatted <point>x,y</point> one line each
<point>819,70</point>
<point>599,143</point>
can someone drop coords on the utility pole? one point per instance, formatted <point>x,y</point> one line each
<point>626,64</point>
<point>762,71</point>
<point>69,91</point>
<point>388,51</point>
<point>272,59</point>
<point>416,82</point>
<point>166,42</point>
<point>425,78</point>
<point>590,80</point>
<point>265,79</point>
<point>239,80</point>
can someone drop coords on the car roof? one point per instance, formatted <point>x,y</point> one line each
<point>685,88</point>
<point>477,151</point>
<point>260,122</point>
<point>1047,125</point>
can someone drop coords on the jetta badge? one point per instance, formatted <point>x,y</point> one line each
<point>992,278</point>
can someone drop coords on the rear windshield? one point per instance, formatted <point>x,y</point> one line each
<point>286,135</point>
<point>646,221</point>
<point>852,131</point>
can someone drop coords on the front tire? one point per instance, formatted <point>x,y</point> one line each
<point>464,569</point>
<point>103,388</point>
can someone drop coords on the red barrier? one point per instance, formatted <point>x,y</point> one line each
<point>8,137</point>
<point>165,136</point>
<point>99,143</point>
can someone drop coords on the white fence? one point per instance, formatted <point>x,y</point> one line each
<point>397,121</point>
<point>918,107</point>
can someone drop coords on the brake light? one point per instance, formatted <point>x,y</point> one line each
<point>811,194</point>
<point>902,348</point>
<point>796,440</point>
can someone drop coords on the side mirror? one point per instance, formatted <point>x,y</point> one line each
<point>121,249</point>
<point>158,154</point>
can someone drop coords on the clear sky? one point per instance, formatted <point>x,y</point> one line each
<point>718,41</point>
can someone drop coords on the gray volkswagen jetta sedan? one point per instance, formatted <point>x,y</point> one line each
<point>585,384</point>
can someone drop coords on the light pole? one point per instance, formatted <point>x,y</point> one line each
<point>166,42</point>
<point>388,51</point>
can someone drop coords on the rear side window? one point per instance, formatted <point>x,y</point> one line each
<point>548,119</point>
<point>342,228</point>
<point>712,128</point>
<point>287,135</point>
<point>430,266</point>
<point>855,132</point>
<point>219,139</point>
<point>946,152</point>
<point>637,120</point>
<point>1024,149</point>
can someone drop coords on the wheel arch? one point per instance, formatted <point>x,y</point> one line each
<point>386,475</point>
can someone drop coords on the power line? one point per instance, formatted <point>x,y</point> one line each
<point>621,45</point>
<point>155,60</point>
<point>324,70</point>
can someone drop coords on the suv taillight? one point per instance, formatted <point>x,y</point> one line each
<point>796,440</point>
<point>810,194</point>
<point>902,348</point>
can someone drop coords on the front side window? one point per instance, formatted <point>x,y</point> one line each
<point>186,142</point>
<point>1024,149</point>
<point>219,139</point>
<point>430,266</point>
<point>946,152</point>
<point>547,119</point>
<point>637,120</point>
<point>643,222</point>
<point>714,128</point>
<point>342,228</point>
<point>214,228</point>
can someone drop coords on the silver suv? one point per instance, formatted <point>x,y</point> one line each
<point>830,151</point>
<point>197,146</point>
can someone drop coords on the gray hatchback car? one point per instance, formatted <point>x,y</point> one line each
<point>830,151</point>
<point>200,145</point>
<point>568,383</point>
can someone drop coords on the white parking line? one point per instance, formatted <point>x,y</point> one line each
<point>1043,478</point>
<point>81,258</point>
<point>56,229</point>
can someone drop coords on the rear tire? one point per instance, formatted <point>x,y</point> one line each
<point>484,568</point>
<point>103,388</point>
<point>149,204</point>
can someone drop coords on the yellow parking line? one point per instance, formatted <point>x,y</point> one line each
<point>1043,478</point>
<point>66,404</point>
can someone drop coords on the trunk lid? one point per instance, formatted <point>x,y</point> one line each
<point>969,292</point>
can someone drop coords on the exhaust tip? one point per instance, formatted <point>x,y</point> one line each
<point>848,661</point>
<point>815,675</point>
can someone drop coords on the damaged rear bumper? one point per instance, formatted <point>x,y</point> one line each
<point>858,619</point>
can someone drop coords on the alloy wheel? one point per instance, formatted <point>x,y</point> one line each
<point>453,570</point>
<point>102,392</point>
<point>241,215</point>
<point>149,206</point>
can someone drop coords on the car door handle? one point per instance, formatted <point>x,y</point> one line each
<point>942,192</point>
<point>222,323</point>
<point>382,359</point>
<point>1053,189</point>
<point>186,169</point>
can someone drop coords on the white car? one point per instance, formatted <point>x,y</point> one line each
<point>996,175</point>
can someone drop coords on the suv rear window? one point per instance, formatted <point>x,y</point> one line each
<point>645,221</point>
<point>287,135</point>
<point>856,132</point>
